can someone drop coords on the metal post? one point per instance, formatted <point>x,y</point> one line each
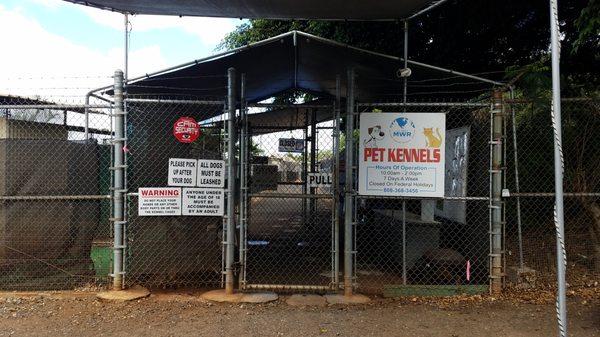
<point>313,156</point>
<point>305,172</point>
<point>126,61</point>
<point>86,134</point>
<point>517,185</point>
<point>405,61</point>
<point>349,188</point>
<point>496,206</point>
<point>404,241</point>
<point>230,241</point>
<point>243,188</point>
<point>118,185</point>
<point>336,182</point>
<point>561,255</point>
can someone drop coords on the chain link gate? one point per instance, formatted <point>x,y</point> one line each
<point>175,251</point>
<point>288,242</point>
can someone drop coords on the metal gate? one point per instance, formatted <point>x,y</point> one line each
<point>289,227</point>
<point>173,251</point>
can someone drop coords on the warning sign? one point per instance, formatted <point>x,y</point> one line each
<point>159,201</point>
<point>203,201</point>
<point>211,173</point>
<point>186,130</point>
<point>182,172</point>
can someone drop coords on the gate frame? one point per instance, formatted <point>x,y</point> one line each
<point>246,196</point>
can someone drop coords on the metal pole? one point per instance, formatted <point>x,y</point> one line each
<point>126,61</point>
<point>349,189</point>
<point>496,202</point>
<point>561,255</point>
<point>404,241</point>
<point>405,61</point>
<point>305,173</point>
<point>517,185</point>
<point>336,182</point>
<point>243,189</point>
<point>313,155</point>
<point>118,191</point>
<point>86,135</point>
<point>230,242</point>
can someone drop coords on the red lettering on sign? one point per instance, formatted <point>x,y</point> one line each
<point>186,130</point>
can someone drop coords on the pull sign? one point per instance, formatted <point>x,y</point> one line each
<point>319,179</point>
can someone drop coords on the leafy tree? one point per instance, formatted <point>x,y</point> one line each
<point>501,40</point>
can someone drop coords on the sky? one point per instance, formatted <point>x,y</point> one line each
<point>58,51</point>
<point>52,48</point>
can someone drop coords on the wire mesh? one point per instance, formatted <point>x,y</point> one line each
<point>290,223</point>
<point>55,230</point>
<point>170,251</point>
<point>530,212</point>
<point>407,246</point>
<point>54,193</point>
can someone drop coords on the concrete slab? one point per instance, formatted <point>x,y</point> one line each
<point>300,300</point>
<point>341,299</point>
<point>220,296</point>
<point>129,294</point>
<point>259,297</point>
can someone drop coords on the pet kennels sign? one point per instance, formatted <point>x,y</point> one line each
<point>402,154</point>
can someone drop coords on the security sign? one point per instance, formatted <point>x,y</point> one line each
<point>186,130</point>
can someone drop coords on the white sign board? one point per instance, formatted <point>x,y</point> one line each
<point>319,179</point>
<point>211,173</point>
<point>457,168</point>
<point>159,201</point>
<point>291,145</point>
<point>402,154</point>
<point>182,172</point>
<point>203,201</point>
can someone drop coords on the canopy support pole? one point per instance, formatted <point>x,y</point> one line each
<point>230,239</point>
<point>349,189</point>
<point>561,255</point>
<point>405,61</point>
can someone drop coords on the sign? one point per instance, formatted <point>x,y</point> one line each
<point>291,145</point>
<point>402,154</point>
<point>186,130</point>
<point>182,172</point>
<point>203,202</point>
<point>211,173</point>
<point>457,168</point>
<point>159,201</point>
<point>319,179</point>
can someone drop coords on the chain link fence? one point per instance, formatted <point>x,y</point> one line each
<point>55,197</point>
<point>54,193</point>
<point>530,234</point>
<point>408,246</point>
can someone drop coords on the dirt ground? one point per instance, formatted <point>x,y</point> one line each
<point>185,314</point>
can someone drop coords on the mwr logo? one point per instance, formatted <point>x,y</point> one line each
<point>402,130</point>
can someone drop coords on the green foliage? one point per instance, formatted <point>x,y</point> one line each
<point>588,27</point>
<point>471,36</point>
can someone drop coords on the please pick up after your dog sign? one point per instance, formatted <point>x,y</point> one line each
<point>402,154</point>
